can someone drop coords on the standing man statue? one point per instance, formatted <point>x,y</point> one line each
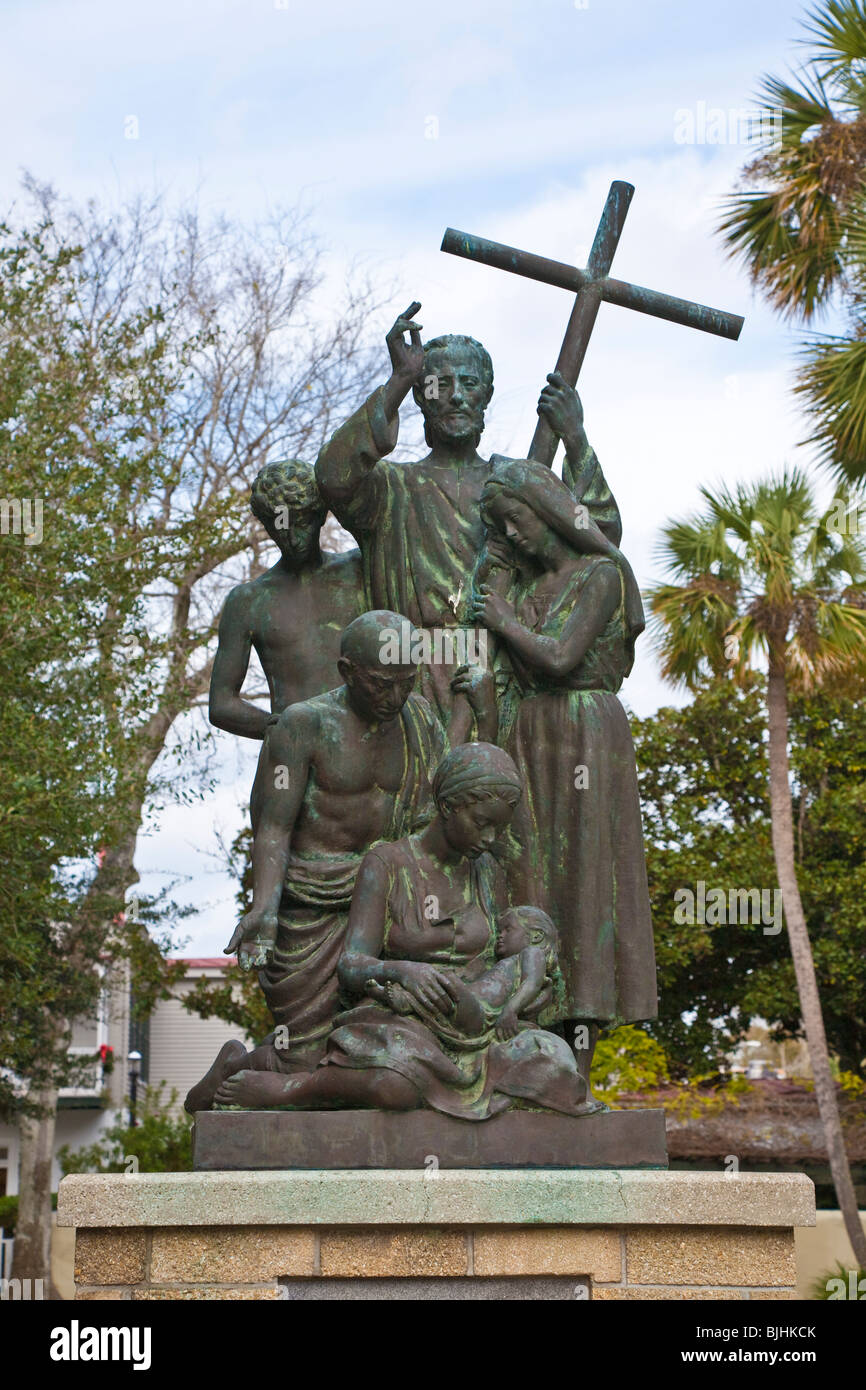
<point>293,614</point>
<point>419,524</point>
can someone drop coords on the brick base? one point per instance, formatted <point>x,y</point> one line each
<point>673,1262</point>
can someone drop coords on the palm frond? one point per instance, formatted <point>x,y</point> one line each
<point>731,511</point>
<point>828,641</point>
<point>854,242</point>
<point>790,244</point>
<point>800,109</point>
<point>688,627</point>
<point>836,35</point>
<point>696,545</point>
<point>761,572</point>
<point>832,382</point>
<point>791,233</point>
<point>836,550</point>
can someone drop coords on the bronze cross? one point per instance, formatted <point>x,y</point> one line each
<point>591,286</point>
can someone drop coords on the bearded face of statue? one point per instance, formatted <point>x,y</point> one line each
<point>453,395</point>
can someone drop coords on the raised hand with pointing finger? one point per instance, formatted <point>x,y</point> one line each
<point>407,359</point>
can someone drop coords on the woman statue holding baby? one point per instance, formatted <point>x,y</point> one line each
<point>447,984</point>
<point>567,624</point>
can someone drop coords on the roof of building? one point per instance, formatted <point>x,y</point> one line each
<point>207,962</point>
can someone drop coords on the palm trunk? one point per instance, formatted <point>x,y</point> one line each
<point>32,1253</point>
<point>782,821</point>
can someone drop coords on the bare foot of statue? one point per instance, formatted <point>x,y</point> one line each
<point>257,1090</point>
<point>201,1096</point>
<point>591,1106</point>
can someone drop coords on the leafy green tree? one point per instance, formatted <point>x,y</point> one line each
<point>704,793</point>
<point>828,756</point>
<point>627,1060</point>
<point>68,589</point>
<point>258,372</point>
<point>760,583</point>
<point>702,774</point>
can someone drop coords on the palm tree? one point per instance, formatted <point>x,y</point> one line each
<point>760,582</point>
<point>801,233</point>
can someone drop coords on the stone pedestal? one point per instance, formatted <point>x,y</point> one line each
<point>435,1234</point>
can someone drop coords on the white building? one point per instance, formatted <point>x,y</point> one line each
<point>176,1048</point>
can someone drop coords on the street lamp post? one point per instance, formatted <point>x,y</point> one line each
<point>134,1059</point>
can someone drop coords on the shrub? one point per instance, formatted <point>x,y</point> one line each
<point>159,1143</point>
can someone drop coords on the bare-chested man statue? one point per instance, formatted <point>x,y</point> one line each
<point>419,524</point>
<point>293,614</point>
<point>335,774</point>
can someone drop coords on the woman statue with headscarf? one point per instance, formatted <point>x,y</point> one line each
<point>567,628</point>
<point>430,977</point>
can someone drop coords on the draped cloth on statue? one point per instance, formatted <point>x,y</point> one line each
<point>419,526</point>
<point>471,1078</point>
<point>579,822</point>
<point>300,981</point>
<point>582,857</point>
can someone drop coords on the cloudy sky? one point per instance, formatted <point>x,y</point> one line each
<point>392,121</point>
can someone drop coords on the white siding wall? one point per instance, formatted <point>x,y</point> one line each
<point>182,1045</point>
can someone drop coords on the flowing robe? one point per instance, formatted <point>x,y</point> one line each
<point>583,858</point>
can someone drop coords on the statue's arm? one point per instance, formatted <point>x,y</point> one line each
<point>365,937</point>
<point>474,710</point>
<point>227,709</point>
<point>279,787</point>
<point>462,722</point>
<point>560,405</point>
<point>556,656</point>
<point>533,970</point>
<point>365,934</point>
<point>581,473</point>
<point>345,468</point>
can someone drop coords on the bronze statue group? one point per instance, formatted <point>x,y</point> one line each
<point>449,885</point>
